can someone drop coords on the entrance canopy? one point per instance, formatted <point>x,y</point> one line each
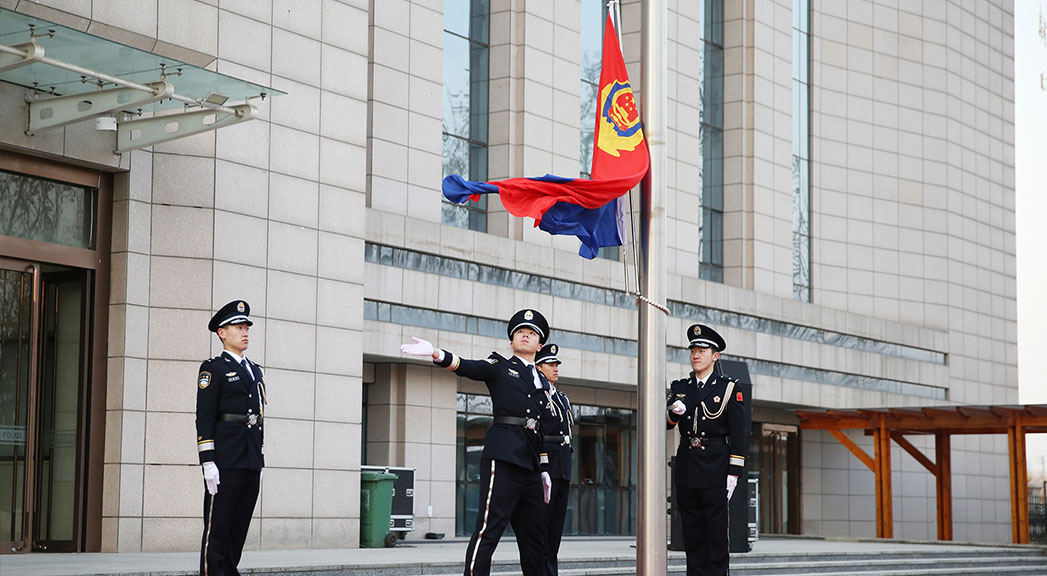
<point>146,98</point>
<point>888,424</point>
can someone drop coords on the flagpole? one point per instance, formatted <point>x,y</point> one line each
<point>651,550</point>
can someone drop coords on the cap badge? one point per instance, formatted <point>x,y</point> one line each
<point>239,306</point>
<point>553,349</point>
<point>528,315</point>
<point>697,330</point>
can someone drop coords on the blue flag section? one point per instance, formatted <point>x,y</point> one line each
<point>595,227</point>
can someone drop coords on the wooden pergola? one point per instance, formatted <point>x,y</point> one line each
<point>888,424</point>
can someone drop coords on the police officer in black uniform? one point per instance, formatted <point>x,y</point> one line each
<point>230,404</point>
<point>514,481</point>
<point>708,407</point>
<point>556,432</point>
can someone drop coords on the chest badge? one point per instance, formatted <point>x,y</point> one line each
<point>514,373</point>
<point>230,374</point>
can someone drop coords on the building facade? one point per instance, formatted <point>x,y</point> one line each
<point>840,206</point>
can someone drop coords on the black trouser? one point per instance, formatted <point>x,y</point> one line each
<point>509,494</point>
<point>556,512</point>
<point>227,516</point>
<point>705,525</point>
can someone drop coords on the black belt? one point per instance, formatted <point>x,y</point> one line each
<point>703,442</point>
<point>529,423</point>
<point>249,419</point>
<point>562,440</point>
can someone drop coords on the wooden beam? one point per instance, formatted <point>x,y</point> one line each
<point>884,512</point>
<point>1019,482</point>
<point>914,452</point>
<point>854,448</point>
<point>943,483</point>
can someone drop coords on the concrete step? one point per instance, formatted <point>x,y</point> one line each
<point>1011,562</point>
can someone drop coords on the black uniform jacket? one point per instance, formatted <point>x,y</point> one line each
<point>511,385</point>
<point>715,418</point>
<point>556,422</point>
<point>225,387</point>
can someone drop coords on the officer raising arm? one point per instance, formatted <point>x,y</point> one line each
<point>513,477</point>
<point>708,407</point>
<point>556,432</point>
<point>230,403</point>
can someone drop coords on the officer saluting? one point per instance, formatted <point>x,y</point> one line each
<point>230,403</point>
<point>556,431</point>
<point>713,444</point>
<point>514,479</point>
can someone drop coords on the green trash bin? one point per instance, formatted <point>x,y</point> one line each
<point>376,507</point>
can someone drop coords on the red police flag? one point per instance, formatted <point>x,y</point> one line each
<point>578,206</point>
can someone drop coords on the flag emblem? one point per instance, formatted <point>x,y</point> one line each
<point>619,119</point>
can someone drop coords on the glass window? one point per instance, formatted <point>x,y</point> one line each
<point>594,16</point>
<point>47,211</point>
<point>602,498</point>
<point>466,70</point>
<point>710,129</point>
<point>801,154</point>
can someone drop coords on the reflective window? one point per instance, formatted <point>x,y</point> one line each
<point>412,316</point>
<point>46,211</point>
<point>710,132</point>
<point>453,268</point>
<point>465,104</point>
<point>801,154</point>
<point>594,17</point>
<point>602,498</point>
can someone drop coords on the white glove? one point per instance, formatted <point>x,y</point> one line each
<point>547,486</point>
<point>419,348</point>
<point>678,407</point>
<point>211,477</point>
<point>732,483</point>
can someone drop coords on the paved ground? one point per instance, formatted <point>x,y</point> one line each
<point>414,552</point>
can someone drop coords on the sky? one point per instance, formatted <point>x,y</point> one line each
<point>1030,131</point>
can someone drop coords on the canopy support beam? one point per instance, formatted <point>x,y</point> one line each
<point>19,55</point>
<point>55,111</point>
<point>143,132</point>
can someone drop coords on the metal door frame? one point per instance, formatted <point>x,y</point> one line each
<point>96,259</point>
<point>30,420</point>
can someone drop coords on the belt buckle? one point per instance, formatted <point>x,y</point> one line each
<point>252,420</point>
<point>531,424</point>
<point>697,443</point>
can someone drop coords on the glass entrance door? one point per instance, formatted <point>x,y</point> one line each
<point>17,321</point>
<point>775,453</point>
<point>43,361</point>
